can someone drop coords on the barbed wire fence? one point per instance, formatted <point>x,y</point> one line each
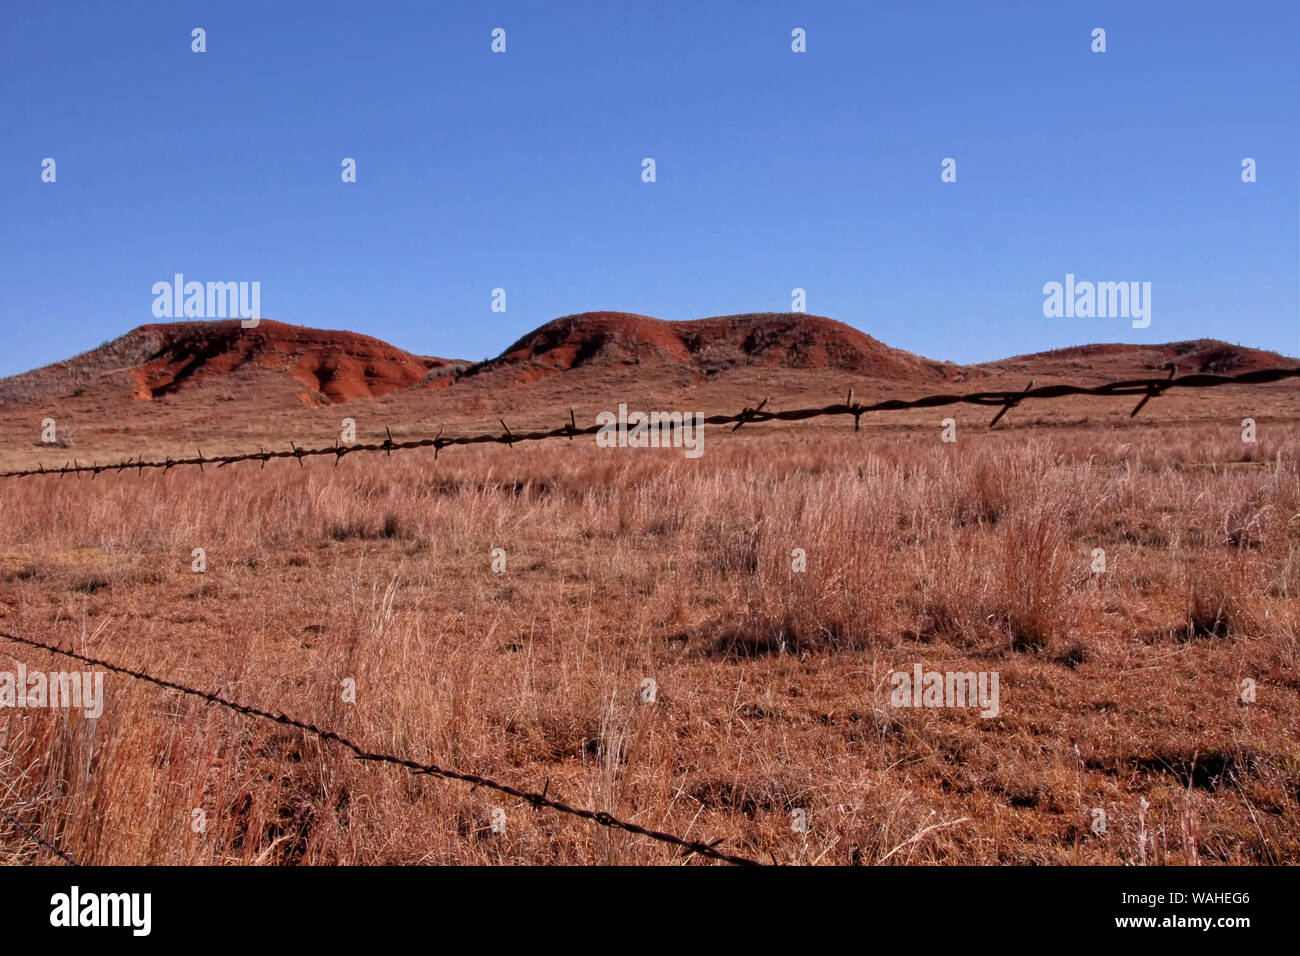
<point>1004,401</point>
<point>37,838</point>
<point>538,800</point>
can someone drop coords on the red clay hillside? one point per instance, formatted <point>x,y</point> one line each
<point>323,367</point>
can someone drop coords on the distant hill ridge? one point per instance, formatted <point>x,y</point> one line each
<point>711,346</point>
<point>158,359</point>
<point>325,367</point>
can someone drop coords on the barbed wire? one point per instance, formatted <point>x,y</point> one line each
<point>1148,388</point>
<point>33,835</point>
<point>537,800</point>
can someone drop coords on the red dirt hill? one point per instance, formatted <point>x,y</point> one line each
<point>281,363</point>
<point>156,360</point>
<point>709,346</point>
<point>1113,361</point>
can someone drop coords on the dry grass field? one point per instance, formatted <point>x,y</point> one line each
<point>1120,691</point>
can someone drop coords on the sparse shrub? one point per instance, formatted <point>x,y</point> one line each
<point>731,550</point>
<point>1208,615</point>
<point>1032,582</point>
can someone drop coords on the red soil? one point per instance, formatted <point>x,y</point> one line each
<point>338,365</point>
<point>1116,361</point>
<point>710,346</point>
<point>321,367</point>
<point>161,358</point>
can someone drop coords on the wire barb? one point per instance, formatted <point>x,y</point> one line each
<point>748,414</point>
<point>854,410</point>
<point>1011,402</point>
<point>1154,388</point>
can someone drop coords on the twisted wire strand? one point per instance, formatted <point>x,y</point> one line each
<point>538,800</point>
<point>1148,388</point>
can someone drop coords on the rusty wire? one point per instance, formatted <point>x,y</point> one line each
<point>537,800</point>
<point>33,835</point>
<point>1003,400</point>
<point>1148,388</point>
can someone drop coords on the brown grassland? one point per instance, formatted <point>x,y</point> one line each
<point>1119,691</point>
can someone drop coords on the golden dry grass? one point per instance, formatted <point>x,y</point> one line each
<point>622,565</point>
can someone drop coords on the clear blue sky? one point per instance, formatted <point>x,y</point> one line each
<point>775,170</point>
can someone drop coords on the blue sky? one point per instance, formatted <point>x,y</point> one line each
<point>775,170</point>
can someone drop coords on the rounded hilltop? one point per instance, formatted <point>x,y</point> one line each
<point>157,359</point>
<point>297,364</point>
<point>711,345</point>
